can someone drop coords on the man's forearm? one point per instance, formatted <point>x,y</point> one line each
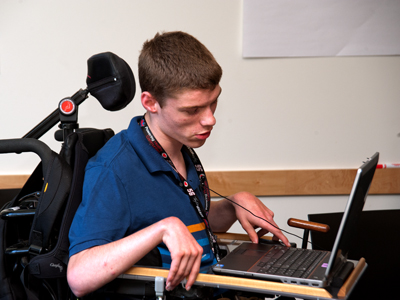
<point>92,268</point>
<point>222,215</point>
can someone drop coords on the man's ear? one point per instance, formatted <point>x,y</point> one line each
<point>149,102</point>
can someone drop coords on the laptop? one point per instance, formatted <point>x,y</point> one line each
<point>276,262</point>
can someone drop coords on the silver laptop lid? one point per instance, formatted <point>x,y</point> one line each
<point>351,215</point>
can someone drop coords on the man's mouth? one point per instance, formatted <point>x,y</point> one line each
<point>203,136</point>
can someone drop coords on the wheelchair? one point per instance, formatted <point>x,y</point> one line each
<point>35,223</point>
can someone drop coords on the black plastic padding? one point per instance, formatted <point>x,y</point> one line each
<point>28,145</point>
<point>110,80</point>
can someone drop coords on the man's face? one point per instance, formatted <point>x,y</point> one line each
<point>188,118</point>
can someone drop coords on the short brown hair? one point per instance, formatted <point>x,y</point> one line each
<point>174,61</point>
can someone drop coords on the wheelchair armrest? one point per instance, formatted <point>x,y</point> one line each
<point>16,212</point>
<point>21,248</point>
<point>266,239</point>
<point>236,236</point>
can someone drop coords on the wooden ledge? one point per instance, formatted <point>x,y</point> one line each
<point>300,182</point>
<point>12,181</point>
<point>279,182</point>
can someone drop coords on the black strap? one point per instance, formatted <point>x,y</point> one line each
<point>194,200</point>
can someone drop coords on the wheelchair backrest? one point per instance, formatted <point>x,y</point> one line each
<point>34,225</point>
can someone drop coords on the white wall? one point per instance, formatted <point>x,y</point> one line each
<point>294,113</point>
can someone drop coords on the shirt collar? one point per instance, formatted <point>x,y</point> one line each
<point>151,159</point>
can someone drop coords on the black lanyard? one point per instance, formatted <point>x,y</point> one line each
<point>201,211</point>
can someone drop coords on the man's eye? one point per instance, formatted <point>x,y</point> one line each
<point>192,111</point>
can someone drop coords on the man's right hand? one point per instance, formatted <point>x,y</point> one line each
<point>185,252</point>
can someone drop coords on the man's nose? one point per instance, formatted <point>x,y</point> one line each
<point>208,118</point>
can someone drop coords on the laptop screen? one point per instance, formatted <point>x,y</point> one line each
<point>354,207</point>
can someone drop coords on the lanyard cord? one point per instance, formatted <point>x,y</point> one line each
<point>285,231</point>
<point>194,200</point>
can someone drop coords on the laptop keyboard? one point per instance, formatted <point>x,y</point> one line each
<point>293,262</point>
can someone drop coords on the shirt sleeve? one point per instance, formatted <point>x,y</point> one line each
<point>104,214</point>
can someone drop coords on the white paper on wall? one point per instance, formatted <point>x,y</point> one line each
<point>295,28</point>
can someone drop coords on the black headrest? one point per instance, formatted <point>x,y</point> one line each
<point>110,80</point>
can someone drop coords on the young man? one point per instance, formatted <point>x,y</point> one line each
<point>146,188</point>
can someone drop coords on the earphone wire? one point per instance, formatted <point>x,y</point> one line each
<point>285,231</point>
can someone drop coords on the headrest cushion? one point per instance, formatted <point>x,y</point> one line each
<point>110,80</point>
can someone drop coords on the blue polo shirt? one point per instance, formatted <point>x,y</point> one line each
<point>129,186</point>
